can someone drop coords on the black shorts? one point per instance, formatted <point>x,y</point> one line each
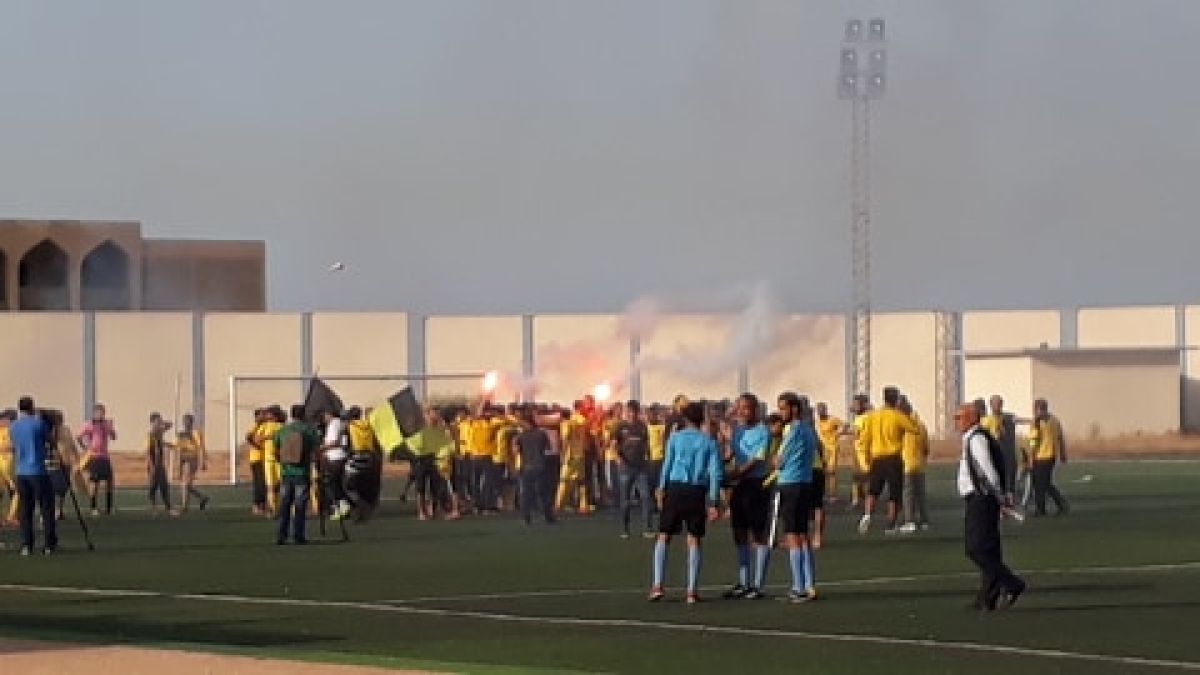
<point>683,507</point>
<point>889,472</point>
<point>818,488</point>
<point>750,507</point>
<point>795,507</point>
<point>100,469</point>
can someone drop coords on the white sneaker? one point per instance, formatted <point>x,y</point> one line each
<point>344,509</point>
<point>864,524</point>
<point>907,528</point>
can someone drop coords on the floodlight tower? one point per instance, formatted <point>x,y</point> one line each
<point>862,79</point>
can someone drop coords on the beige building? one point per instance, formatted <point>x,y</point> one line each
<point>63,265</point>
<point>1097,392</point>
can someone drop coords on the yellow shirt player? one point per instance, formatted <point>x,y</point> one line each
<point>862,441</point>
<point>914,452</point>
<point>8,479</point>
<point>265,435</point>
<point>888,425</point>
<point>1048,445</point>
<point>829,430</point>
<point>574,432</point>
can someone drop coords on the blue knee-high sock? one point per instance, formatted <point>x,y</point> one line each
<point>810,567</point>
<point>762,558</point>
<point>693,568</point>
<point>796,558</point>
<point>660,562</point>
<point>743,552</point>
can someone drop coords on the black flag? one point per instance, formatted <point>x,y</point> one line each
<point>320,399</point>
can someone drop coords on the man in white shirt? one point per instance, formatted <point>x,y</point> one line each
<point>333,449</point>
<point>981,485</point>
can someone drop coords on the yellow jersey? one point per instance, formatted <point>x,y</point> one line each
<point>888,431</point>
<point>993,424</point>
<point>5,440</point>
<point>915,447</point>
<point>610,431</point>
<point>1045,438</point>
<point>863,429</point>
<point>829,431</point>
<point>658,441</point>
<point>266,437</point>
<point>506,431</point>
<point>481,441</point>
<point>574,431</point>
<point>255,454</point>
<point>190,443</point>
<point>362,436</point>
<point>464,437</point>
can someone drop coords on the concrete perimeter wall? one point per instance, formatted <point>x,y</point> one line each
<point>132,361</point>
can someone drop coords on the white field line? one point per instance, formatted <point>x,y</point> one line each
<point>869,581</point>
<point>624,623</point>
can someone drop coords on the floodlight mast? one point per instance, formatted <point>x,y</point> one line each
<point>862,79</point>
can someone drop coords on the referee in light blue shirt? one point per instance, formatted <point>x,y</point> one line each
<point>689,490</point>
<point>794,462</point>
<point>29,437</point>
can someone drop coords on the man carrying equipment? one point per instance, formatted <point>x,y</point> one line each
<point>297,444</point>
<point>750,503</point>
<point>30,441</point>
<point>688,491</point>
<point>980,484</point>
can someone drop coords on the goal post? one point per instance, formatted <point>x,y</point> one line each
<point>249,392</point>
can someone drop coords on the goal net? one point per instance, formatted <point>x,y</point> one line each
<point>248,393</point>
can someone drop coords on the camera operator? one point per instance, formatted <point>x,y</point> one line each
<point>30,439</point>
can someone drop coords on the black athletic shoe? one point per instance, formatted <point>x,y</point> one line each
<point>736,592</point>
<point>1010,597</point>
<point>203,503</point>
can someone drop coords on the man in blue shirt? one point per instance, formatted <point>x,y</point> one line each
<point>794,463</point>
<point>749,503</point>
<point>29,437</point>
<point>690,482</point>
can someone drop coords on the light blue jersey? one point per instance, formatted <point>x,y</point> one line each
<point>750,443</point>
<point>796,453</point>
<point>693,459</point>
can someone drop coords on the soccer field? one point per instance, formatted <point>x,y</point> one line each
<point>1114,588</point>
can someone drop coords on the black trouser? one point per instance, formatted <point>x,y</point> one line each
<point>334,482</point>
<point>590,478</point>
<point>37,491</point>
<point>293,507</point>
<point>158,484</point>
<point>1043,484</point>
<point>535,496</point>
<point>258,483</point>
<point>550,476</point>
<point>983,548</point>
<point>483,495</point>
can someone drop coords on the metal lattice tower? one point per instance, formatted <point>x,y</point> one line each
<point>948,360</point>
<point>862,79</point>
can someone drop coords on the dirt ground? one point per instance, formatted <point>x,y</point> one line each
<point>49,658</point>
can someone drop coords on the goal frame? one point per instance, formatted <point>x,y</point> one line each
<point>234,380</point>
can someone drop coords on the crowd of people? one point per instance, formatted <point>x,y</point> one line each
<point>771,472</point>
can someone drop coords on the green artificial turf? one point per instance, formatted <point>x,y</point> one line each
<point>366,601</point>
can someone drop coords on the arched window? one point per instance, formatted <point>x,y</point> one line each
<point>43,278</point>
<point>104,279</point>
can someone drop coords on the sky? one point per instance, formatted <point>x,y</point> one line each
<point>477,156</point>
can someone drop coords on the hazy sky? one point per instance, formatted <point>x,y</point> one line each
<point>558,155</point>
